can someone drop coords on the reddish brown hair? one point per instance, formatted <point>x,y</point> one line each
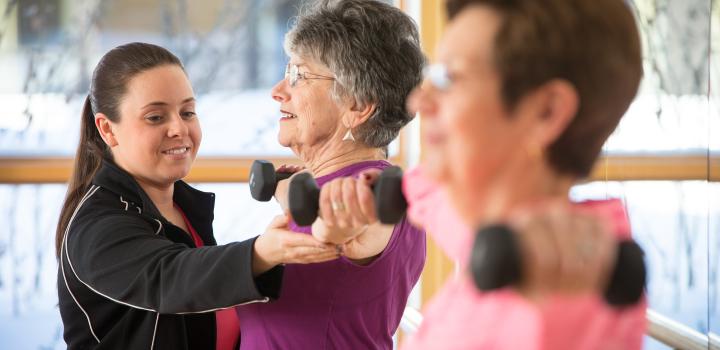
<point>593,44</point>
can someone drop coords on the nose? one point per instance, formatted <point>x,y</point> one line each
<point>177,126</point>
<point>280,91</point>
<point>422,101</point>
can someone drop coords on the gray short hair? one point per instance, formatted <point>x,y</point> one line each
<point>374,51</point>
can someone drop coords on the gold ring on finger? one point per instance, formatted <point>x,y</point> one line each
<point>337,206</point>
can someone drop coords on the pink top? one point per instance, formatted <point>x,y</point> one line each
<point>462,317</point>
<point>228,325</point>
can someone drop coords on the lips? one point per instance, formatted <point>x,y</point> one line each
<point>287,115</point>
<point>433,137</point>
<point>177,150</point>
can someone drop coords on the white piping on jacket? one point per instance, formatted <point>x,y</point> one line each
<point>87,195</point>
<point>263,300</point>
<point>126,203</point>
<point>159,227</point>
<point>157,319</point>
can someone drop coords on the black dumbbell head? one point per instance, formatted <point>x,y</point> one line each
<point>390,202</point>
<point>303,198</point>
<point>627,283</point>
<point>262,180</point>
<point>495,261</point>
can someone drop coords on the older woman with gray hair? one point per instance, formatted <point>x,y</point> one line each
<point>352,65</point>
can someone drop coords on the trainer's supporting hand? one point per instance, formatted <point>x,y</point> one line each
<point>278,245</point>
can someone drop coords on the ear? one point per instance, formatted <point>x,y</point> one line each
<point>361,113</point>
<point>104,126</point>
<point>559,103</point>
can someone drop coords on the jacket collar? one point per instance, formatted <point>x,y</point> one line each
<point>198,206</point>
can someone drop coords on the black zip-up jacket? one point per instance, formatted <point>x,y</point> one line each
<point>129,279</point>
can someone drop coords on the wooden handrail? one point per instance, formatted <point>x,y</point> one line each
<point>677,335</point>
<point>236,169</point>
<point>675,167</point>
<point>58,169</point>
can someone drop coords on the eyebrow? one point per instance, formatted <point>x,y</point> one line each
<point>160,103</point>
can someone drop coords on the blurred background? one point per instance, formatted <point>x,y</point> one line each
<point>663,161</point>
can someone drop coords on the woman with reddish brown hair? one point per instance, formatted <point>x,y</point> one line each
<point>514,113</point>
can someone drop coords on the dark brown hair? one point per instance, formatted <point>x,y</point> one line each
<point>107,88</point>
<point>593,44</point>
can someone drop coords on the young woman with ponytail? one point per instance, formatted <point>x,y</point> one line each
<point>139,267</point>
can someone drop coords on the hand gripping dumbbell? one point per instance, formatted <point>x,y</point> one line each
<point>264,180</point>
<point>390,203</point>
<point>496,262</point>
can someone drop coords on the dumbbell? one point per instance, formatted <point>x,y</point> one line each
<point>496,262</point>
<point>390,203</point>
<point>264,180</point>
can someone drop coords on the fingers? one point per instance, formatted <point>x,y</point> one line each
<point>291,240</point>
<point>321,233</point>
<point>586,253</point>
<point>326,199</point>
<point>289,168</point>
<point>353,213</point>
<point>366,198</point>
<point>347,203</point>
<point>599,252</point>
<point>300,248</point>
<point>280,221</point>
<point>539,258</point>
<point>306,255</point>
<point>563,250</point>
<point>278,245</point>
<point>567,232</point>
<point>370,175</point>
<point>338,205</point>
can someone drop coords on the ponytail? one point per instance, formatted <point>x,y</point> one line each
<point>88,159</point>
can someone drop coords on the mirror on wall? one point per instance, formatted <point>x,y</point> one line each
<point>714,178</point>
<point>670,207</point>
<point>233,53</point>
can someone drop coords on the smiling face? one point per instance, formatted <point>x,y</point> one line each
<point>310,116</point>
<point>158,133</point>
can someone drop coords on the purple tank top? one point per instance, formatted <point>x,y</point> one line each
<point>338,304</point>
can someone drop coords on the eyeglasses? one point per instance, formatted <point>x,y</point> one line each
<point>292,74</point>
<point>438,76</point>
